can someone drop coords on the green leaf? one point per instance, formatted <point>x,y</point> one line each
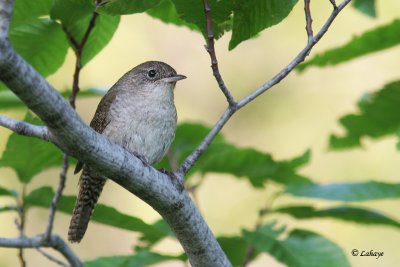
<point>26,11</point>
<point>123,7</point>
<point>253,16</point>
<point>47,45</point>
<point>365,6</point>
<point>222,157</point>
<point>166,12</point>
<point>377,39</point>
<point>235,248</point>
<point>352,214</point>
<point>140,259</point>
<point>29,156</point>
<point>378,116</point>
<point>43,196</point>
<point>300,248</point>
<point>9,100</point>
<point>70,12</point>
<point>363,191</point>
<point>8,208</point>
<point>6,192</point>
<point>99,37</point>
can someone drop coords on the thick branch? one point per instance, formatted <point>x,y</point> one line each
<point>211,50</point>
<point>79,140</point>
<point>54,242</point>
<point>194,156</point>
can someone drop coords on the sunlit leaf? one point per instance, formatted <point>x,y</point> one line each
<point>26,11</point>
<point>47,45</point>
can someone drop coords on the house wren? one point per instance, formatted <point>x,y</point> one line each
<point>139,114</point>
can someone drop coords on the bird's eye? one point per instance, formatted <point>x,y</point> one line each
<point>151,73</point>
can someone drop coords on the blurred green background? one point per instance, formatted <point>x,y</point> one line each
<point>299,113</point>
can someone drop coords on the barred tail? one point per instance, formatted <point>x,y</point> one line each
<point>90,186</point>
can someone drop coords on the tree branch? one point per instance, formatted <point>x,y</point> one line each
<point>77,139</point>
<point>307,11</point>
<point>214,62</point>
<point>188,163</point>
<point>57,197</point>
<point>54,242</point>
<point>27,129</point>
<point>51,258</point>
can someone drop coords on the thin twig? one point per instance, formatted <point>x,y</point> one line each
<point>251,250</point>
<point>309,20</point>
<point>51,258</point>
<point>333,2</point>
<point>57,197</point>
<point>27,129</point>
<point>21,224</point>
<point>38,241</point>
<point>78,48</point>
<point>214,62</point>
<point>188,163</point>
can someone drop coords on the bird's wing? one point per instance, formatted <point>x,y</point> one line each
<point>100,119</point>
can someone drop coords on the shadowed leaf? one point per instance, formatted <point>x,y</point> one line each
<point>352,214</point>
<point>43,196</point>
<point>378,116</point>
<point>29,156</point>
<point>346,191</point>
<point>377,39</point>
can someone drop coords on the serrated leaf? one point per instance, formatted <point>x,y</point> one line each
<point>99,37</point>
<point>365,6</point>
<point>140,259</point>
<point>363,191</point>
<point>26,11</point>
<point>43,196</point>
<point>29,156</point>
<point>47,45</point>
<point>9,100</point>
<point>253,16</point>
<point>375,40</point>
<point>300,248</point>
<point>166,12</point>
<point>378,116</point>
<point>123,7</point>
<point>351,214</point>
<point>222,157</point>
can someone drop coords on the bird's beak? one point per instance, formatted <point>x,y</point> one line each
<point>174,79</point>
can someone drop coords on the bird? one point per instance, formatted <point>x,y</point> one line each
<point>137,113</point>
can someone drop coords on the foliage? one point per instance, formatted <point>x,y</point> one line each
<point>49,25</point>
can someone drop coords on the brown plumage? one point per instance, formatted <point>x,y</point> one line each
<point>138,113</point>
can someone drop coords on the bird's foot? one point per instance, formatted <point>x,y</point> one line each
<point>173,177</point>
<point>142,158</point>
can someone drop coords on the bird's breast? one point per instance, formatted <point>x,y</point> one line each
<point>145,128</point>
